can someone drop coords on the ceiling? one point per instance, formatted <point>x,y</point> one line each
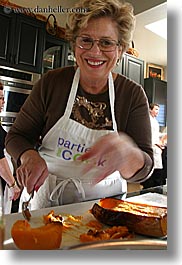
<point>143,5</point>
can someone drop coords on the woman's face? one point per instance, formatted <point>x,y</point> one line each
<point>95,63</point>
<point>1,100</point>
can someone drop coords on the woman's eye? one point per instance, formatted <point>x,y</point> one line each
<point>106,42</point>
<point>87,40</point>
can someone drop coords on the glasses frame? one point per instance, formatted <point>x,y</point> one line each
<point>117,44</point>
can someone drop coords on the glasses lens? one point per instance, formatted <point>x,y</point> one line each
<point>84,42</point>
<point>107,45</point>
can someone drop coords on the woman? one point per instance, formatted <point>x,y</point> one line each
<point>5,171</point>
<point>94,124</point>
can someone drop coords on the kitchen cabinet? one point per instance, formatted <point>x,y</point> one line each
<point>21,42</point>
<point>55,53</point>
<point>156,91</point>
<point>132,67</point>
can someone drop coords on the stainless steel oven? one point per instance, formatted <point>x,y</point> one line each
<point>17,86</point>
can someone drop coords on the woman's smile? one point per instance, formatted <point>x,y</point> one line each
<point>95,63</point>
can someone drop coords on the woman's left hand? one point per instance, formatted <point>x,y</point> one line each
<point>14,192</point>
<point>113,152</point>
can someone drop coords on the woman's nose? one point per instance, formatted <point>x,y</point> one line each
<point>95,47</point>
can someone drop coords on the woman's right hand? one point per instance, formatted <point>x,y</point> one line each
<point>32,172</point>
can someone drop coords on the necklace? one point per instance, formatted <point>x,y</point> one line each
<point>94,111</point>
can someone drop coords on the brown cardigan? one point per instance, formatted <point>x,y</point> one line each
<point>47,102</point>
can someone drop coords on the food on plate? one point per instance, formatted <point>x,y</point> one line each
<point>140,218</point>
<point>115,232</point>
<point>52,218</point>
<point>95,224</point>
<point>47,236</point>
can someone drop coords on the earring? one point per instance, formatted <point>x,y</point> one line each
<point>118,61</point>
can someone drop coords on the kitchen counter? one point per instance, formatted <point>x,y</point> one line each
<point>155,196</point>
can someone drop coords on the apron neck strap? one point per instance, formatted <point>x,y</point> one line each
<point>112,100</point>
<point>72,94</point>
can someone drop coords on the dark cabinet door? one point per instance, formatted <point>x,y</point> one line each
<point>156,91</point>
<point>134,69</point>
<point>7,28</point>
<point>131,67</point>
<point>21,41</point>
<point>29,45</point>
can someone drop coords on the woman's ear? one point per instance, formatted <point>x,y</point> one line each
<point>120,52</point>
<point>120,55</point>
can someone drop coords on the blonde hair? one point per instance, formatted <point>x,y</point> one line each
<point>121,13</point>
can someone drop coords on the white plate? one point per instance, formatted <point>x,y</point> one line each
<point>124,244</point>
<point>151,198</point>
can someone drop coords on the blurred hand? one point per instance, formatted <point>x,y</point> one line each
<point>115,152</point>
<point>33,170</point>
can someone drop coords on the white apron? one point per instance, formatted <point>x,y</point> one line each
<point>61,146</point>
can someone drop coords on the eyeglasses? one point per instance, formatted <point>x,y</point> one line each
<point>105,45</point>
